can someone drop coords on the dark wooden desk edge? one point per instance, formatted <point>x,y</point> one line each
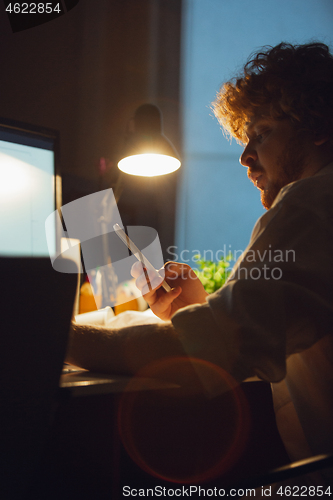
<point>86,383</point>
<point>78,382</point>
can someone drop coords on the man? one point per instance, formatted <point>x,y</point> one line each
<point>274,316</point>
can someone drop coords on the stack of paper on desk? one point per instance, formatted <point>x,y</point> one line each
<point>106,317</point>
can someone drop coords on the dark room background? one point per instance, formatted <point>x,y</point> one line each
<point>84,74</point>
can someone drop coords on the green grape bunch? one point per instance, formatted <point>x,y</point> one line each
<point>213,275</point>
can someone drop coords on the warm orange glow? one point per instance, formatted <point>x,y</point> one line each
<point>149,165</point>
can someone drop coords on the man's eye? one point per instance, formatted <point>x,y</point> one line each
<point>261,136</point>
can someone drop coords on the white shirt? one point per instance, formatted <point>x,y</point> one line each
<point>274,316</point>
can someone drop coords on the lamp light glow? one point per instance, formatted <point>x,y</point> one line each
<point>149,164</point>
<point>147,151</point>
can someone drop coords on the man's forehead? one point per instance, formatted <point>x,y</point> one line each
<point>256,118</point>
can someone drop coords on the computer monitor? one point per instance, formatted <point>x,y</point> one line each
<point>30,188</point>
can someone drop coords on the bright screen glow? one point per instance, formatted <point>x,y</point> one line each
<point>149,165</point>
<point>26,198</point>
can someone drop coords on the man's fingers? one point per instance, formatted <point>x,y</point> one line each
<point>150,286</point>
<point>148,277</point>
<point>176,271</point>
<point>163,301</point>
<point>136,269</point>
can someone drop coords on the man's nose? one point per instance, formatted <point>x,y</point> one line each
<point>249,156</point>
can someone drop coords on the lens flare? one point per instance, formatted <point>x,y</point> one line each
<point>180,434</point>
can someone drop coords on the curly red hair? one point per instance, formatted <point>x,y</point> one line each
<point>291,81</point>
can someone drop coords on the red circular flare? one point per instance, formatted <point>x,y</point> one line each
<point>181,433</point>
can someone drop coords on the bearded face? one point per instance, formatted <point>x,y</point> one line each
<point>275,155</point>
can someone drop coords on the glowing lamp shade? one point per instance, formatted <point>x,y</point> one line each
<point>149,164</point>
<point>147,151</point>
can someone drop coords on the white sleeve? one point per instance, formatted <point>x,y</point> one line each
<point>279,300</point>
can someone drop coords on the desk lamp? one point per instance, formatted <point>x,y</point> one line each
<point>147,151</point>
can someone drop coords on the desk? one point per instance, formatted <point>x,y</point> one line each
<point>86,383</point>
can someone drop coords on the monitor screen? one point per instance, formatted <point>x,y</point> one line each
<point>30,188</point>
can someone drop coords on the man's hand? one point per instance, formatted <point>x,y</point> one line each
<point>186,287</point>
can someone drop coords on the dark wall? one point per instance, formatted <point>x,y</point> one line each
<point>84,74</point>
